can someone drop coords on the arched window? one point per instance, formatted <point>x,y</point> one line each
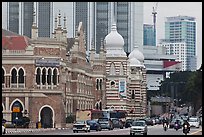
<point>38,76</point>
<point>97,84</point>
<point>55,76</point>
<point>3,81</point>
<point>133,94</point>
<point>21,76</point>
<point>49,76</point>
<point>14,76</point>
<point>44,76</point>
<point>112,69</point>
<point>100,85</point>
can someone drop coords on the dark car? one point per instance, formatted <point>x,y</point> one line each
<point>149,121</point>
<point>105,123</point>
<point>94,125</point>
<point>117,123</point>
<point>128,123</point>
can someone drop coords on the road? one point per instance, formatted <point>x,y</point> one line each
<point>152,130</point>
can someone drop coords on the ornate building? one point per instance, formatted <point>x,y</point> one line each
<point>48,79</point>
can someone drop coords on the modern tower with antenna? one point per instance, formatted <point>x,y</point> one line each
<point>154,12</point>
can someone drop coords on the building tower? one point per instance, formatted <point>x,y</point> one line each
<point>20,17</point>
<point>183,29</point>
<point>98,17</point>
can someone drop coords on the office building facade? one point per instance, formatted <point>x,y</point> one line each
<point>148,35</point>
<point>100,15</point>
<point>20,17</point>
<point>183,28</point>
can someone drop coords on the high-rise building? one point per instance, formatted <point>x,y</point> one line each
<point>148,35</point>
<point>178,49</point>
<point>45,18</point>
<point>20,17</point>
<point>97,18</point>
<point>179,29</point>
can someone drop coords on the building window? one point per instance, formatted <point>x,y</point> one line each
<point>49,76</point>
<point>55,76</point>
<point>133,94</point>
<point>121,69</point>
<point>14,76</point>
<point>97,84</point>
<point>44,76</point>
<point>112,84</point>
<point>21,76</point>
<point>100,85</point>
<point>38,76</point>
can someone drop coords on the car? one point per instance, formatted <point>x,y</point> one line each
<point>106,123</point>
<point>94,125</point>
<point>117,123</point>
<point>128,123</point>
<point>81,125</point>
<point>3,129</point>
<point>194,122</point>
<point>149,121</point>
<point>138,127</point>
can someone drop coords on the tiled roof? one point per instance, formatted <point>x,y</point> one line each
<point>13,41</point>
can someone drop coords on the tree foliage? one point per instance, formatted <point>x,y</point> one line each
<point>186,86</point>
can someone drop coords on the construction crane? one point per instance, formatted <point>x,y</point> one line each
<point>154,12</point>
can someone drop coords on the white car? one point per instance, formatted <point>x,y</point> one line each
<point>194,122</point>
<point>3,130</point>
<point>81,125</point>
<point>139,127</point>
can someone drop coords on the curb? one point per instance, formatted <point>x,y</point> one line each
<point>33,130</point>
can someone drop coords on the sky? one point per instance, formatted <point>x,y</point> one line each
<point>164,9</point>
<point>168,9</point>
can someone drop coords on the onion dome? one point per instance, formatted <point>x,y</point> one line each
<point>114,39</point>
<point>136,54</point>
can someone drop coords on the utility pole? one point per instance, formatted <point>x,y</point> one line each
<point>154,21</point>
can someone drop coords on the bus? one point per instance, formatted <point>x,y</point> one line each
<point>88,114</point>
<point>120,114</point>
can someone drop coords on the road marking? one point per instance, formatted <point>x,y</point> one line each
<point>196,132</point>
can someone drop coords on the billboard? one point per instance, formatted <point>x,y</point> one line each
<point>122,88</point>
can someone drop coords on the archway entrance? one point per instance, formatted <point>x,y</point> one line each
<point>17,114</point>
<point>46,117</point>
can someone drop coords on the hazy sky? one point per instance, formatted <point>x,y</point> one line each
<point>164,9</point>
<point>167,9</point>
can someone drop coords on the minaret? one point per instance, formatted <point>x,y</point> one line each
<point>92,51</point>
<point>65,30</point>
<point>59,31</point>
<point>34,27</point>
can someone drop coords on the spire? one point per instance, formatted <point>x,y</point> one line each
<point>59,19</point>
<point>64,22</point>
<point>34,17</point>
<point>55,21</point>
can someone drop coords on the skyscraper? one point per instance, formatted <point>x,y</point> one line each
<point>97,18</point>
<point>149,35</point>
<point>20,17</point>
<point>45,18</point>
<point>183,28</point>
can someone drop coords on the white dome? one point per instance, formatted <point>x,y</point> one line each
<point>134,62</point>
<point>136,54</point>
<point>114,39</point>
